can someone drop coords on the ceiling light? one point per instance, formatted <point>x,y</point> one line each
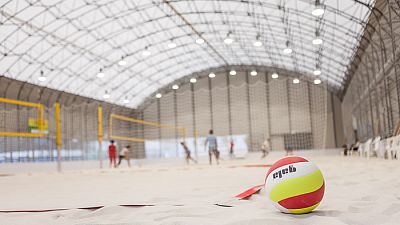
<point>122,62</point>
<point>200,41</point>
<point>257,43</point>
<point>193,80</point>
<point>42,78</point>
<point>211,75</point>
<point>274,75</point>
<point>232,72</point>
<point>126,100</point>
<point>253,73</point>
<point>318,9</point>
<point>296,81</point>
<point>228,40</point>
<point>317,81</point>
<point>100,74</point>
<point>171,45</point>
<point>317,41</point>
<point>106,95</point>
<point>287,50</point>
<point>146,52</point>
<point>175,87</point>
<point>158,95</point>
<point>317,72</point>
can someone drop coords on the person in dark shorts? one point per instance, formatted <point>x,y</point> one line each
<point>112,153</point>
<point>231,148</point>
<point>212,147</point>
<point>187,153</point>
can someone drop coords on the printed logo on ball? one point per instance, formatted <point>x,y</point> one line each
<point>280,173</point>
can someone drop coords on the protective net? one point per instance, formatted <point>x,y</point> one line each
<point>247,110</point>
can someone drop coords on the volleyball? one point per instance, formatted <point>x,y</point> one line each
<point>295,185</point>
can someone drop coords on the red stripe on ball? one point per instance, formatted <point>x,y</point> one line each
<point>304,200</point>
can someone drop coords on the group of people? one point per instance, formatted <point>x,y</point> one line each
<point>211,142</point>
<point>122,154</point>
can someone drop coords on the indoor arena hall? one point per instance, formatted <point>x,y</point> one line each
<point>200,112</point>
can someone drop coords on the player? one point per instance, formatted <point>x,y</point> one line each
<point>212,146</point>
<point>231,147</point>
<point>112,153</point>
<point>265,148</point>
<point>187,153</point>
<point>124,154</point>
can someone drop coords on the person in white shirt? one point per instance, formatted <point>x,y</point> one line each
<point>124,154</point>
<point>265,148</point>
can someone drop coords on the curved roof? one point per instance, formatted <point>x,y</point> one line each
<point>71,41</point>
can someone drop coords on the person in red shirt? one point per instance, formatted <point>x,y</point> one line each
<point>112,154</point>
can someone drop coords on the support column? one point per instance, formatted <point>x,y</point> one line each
<point>176,124</point>
<point>194,119</point>
<point>249,111</point>
<point>211,103</point>
<point>159,128</point>
<point>228,85</point>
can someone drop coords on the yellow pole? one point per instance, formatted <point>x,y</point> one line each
<point>100,128</point>
<point>58,139</point>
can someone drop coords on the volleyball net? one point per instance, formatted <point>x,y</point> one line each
<point>22,119</point>
<point>153,138</point>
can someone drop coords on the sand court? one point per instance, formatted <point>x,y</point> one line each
<point>358,191</point>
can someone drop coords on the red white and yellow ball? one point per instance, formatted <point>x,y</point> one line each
<point>295,185</point>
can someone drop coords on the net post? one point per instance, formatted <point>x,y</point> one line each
<point>100,130</point>
<point>58,137</point>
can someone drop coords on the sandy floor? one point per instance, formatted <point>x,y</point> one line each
<point>358,191</point>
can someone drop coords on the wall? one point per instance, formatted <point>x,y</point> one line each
<point>256,106</point>
<point>371,101</point>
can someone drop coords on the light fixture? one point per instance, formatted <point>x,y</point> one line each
<point>175,87</point>
<point>42,77</point>
<point>318,9</point>
<point>193,80</point>
<point>228,40</point>
<point>232,73</point>
<point>106,95</point>
<point>146,52</point>
<point>253,73</point>
<point>158,95</point>
<point>287,50</point>
<point>171,45</point>
<point>211,75</point>
<point>257,42</point>
<point>296,81</point>
<point>274,75</point>
<point>100,74</point>
<point>122,62</point>
<point>317,40</point>
<point>126,100</point>
<point>317,72</point>
<point>317,81</point>
<point>200,41</point>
